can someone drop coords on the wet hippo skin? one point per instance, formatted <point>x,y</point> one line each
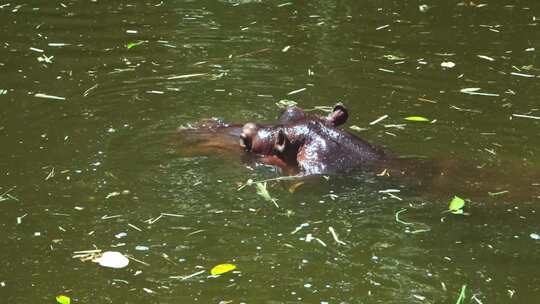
<point>313,144</point>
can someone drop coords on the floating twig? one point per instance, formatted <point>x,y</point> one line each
<point>183,278</point>
<point>195,232</point>
<point>134,227</point>
<point>251,182</point>
<point>172,214</point>
<point>108,217</point>
<point>526,116</point>
<point>296,91</point>
<point>90,89</point>
<point>136,260</point>
<point>425,229</point>
<point>461,297</point>
<point>334,235</point>
<point>378,120</point>
<point>41,95</point>
<point>187,76</point>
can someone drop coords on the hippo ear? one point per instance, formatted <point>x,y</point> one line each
<point>338,116</point>
<point>291,114</point>
<point>281,142</point>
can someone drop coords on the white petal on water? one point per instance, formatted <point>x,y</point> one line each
<point>448,64</point>
<point>113,259</point>
<point>120,235</point>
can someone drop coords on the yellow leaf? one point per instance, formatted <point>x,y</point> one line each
<point>416,118</point>
<point>63,299</point>
<point>295,186</point>
<point>222,268</point>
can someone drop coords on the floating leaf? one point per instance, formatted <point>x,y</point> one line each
<point>295,186</point>
<point>133,44</point>
<point>112,259</point>
<point>456,205</point>
<point>262,191</point>
<point>285,103</point>
<point>416,118</point>
<point>63,299</point>
<point>222,268</point>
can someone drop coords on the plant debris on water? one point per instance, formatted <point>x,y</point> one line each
<point>134,44</point>
<point>263,191</point>
<point>456,205</point>
<point>222,268</point>
<point>461,297</point>
<point>423,227</point>
<point>7,196</point>
<point>62,299</point>
<point>416,118</point>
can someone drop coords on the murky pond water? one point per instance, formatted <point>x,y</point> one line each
<point>90,159</point>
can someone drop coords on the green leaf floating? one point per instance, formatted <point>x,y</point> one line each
<point>263,191</point>
<point>416,118</point>
<point>133,44</point>
<point>456,205</point>
<point>63,299</point>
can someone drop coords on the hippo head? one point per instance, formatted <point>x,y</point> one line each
<point>261,140</point>
<point>274,140</point>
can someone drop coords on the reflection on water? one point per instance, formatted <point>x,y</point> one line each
<point>106,123</point>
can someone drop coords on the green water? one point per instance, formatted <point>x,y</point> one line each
<point>111,131</point>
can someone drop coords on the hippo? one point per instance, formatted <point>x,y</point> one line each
<point>213,136</point>
<point>306,144</point>
<point>312,144</point>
